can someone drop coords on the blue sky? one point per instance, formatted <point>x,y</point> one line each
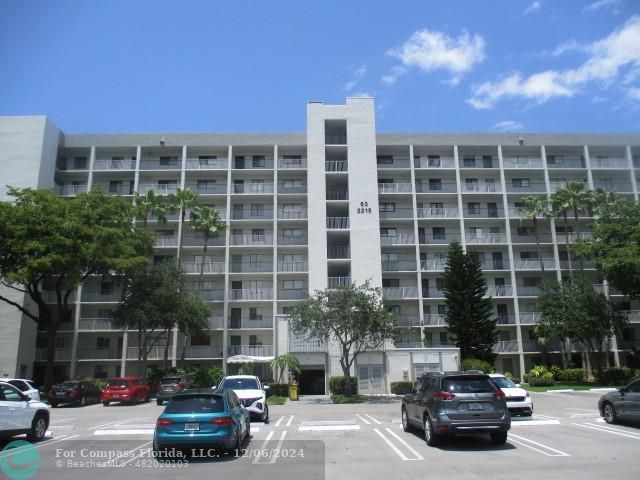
<point>250,66</point>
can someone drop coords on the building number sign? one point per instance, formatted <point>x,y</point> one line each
<point>364,207</point>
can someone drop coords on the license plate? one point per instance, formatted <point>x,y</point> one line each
<point>191,427</point>
<point>60,394</point>
<point>115,395</point>
<point>475,406</point>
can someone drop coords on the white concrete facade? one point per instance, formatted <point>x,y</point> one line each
<point>306,211</point>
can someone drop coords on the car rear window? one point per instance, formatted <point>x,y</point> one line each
<point>117,383</point>
<point>240,384</point>
<point>468,385</point>
<point>503,382</point>
<point>69,385</point>
<point>196,404</point>
<point>19,384</point>
<point>170,381</point>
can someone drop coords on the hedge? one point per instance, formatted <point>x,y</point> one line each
<point>337,384</point>
<point>279,389</point>
<point>476,364</point>
<point>401,388</point>
<point>615,376</point>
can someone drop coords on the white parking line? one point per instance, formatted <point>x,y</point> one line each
<point>393,447</point>
<point>142,452</point>
<point>376,421</point>
<point>279,421</point>
<point>327,428</point>
<point>525,442</point>
<point>290,420</point>
<point>263,446</point>
<point>138,431</point>
<point>532,423</point>
<point>546,417</point>
<point>273,458</point>
<point>612,430</point>
<point>408,447</point>
<point>363,419</point>
<point>62,438</point>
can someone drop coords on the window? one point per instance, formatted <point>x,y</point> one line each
<point>435,184</point>
<point>528,255</point>
<point>530,281</point>
<point>207,160</point>
<point>292,161</point>
<point>102,343</point>
<point>438,233</point>
<point>387,207</point>
<point>255,313</point>
<point>258,161</point>
<point>437,208</point>
<point>473,208</point>
<point>441,309</point>
<point>443,338</point>
<point>200,340</point>
<point>388,232</point>
<point>554,160</point>
<point>389,257</point>
<point>469,161</point>
<point>390,282</point>
<point>257,234</point>
<point>472,184</point>
<point>520,183</point>
<point>525,231</point>
<point>205,185</point>
<point>80,163</point>
<point>257,210</point>
<point>105,314</point>
<point>292,284</point>
<point>168,161</point>
<point>106,288</point>
<point>385,159</point>
<point>115,186</point>
<point>10,394</point>
<point>433,160</point>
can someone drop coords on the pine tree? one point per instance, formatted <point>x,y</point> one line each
<point>468,310</point>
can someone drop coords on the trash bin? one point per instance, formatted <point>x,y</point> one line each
<point>293,391</point>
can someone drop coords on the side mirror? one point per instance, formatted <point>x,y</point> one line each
<point>26,398</point>
<point>518,385</point>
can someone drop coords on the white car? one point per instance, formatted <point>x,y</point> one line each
<point>518,399</point>
<point>28,387</point>
<point>20,414</point>
<point>251,393</point>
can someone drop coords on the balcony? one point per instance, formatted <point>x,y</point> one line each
<point>203,351</point>
<point>394,188</point>
<point>335,282</point>
<point>301,344</point>
<point>251,267</point>
<point>338,252</point>
<point>89,295</point>
<point>336,166</point>
<point>292,240</point>
<point>534,264</point>
<point>333,195</point>
<point>530,318</point>
<point>99,353</point>
<point>526,187</point>
<point>496,264</point>
<point>401,212</point>
<point>505,319</point>
<point>632,315</point>
<point>492,238</point>
<point>408,321</point>
<point>432,293</point>
<point>289,188</point>
<point>564,162</point>
<point>96,324</point>
<point>439,239</point>
<point>613,163</point>
<point>205,188</point>
<point>481,187</point>
<point>437,187</point>
<point>292,294</point>
<point>483,212</point>
<point>398,239</point>
<point>555,185</point>
<point>399,293</point>
<point>197,240</point>
<point>500,291</point>
<point>434,162</point>
<point>433,265</point>
<point>396,162</point>
<point>166,241</point>
<point>101,164</point>
<point>337,223</point>
<point>215,323</point>
<point>542,238</point>
<point>61,354</point>
<point>399,266</point>
<point>257,212</point>
<point>208,267</point>
<point>506,346</point>
<point>529,291</point>
<point>159,189</point>
<point>211,295</point>
<point>207,163</point>
<point>435,319</point>
<point>70,190</point>
<point>252,350</point>
<point>436,212</point>
<point>293,267</point>
<point>156,352</point>
<point>251,322</point>
<point>613,185</point>
<point>251,294</point>
<point>287,163</point>
<point>251,240</point>
<point>522,162</point>
<point>292,214</point>
<point>252,188</point>
<point>172,163</point>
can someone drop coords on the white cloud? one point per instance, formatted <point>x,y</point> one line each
<point>507,126</point>
<point>430,50</point>
<point>356,76</point>
<point>598,4</point>
<point>361,94</point>
<point>535,5</point>
<point>566,47</point>
<point>634,94</point>
<point>608,57</point>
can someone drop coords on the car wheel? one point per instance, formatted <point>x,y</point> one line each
<point>265,414</point>
<point>105,403</point>
<point>430,436</point>
<point>53,404</point>
<point>38,428</point>
<point>609,413</point>
<point>499,438</point>
<point>159,402</point>
<point>528,413</point>
<point>248,432</point>
<point>237,444</point>
<point>405,420</point>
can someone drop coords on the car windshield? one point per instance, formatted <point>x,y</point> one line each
<point>170,381</point>
<point>240,383</point>
<point>503,382</point>
<point>468,385</point>
<point>69,385</point>
<point>117,383</point>
<point>196,404</point>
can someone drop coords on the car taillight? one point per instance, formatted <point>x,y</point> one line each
<point>500,394</point>
<point>182,386</point>
<point>442,395</point>
<point>73,392</point>
<point>226,421</point>
<point>50,393</point>
<point>163,422</point>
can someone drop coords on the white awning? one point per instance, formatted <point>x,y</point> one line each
<point>248,359</point>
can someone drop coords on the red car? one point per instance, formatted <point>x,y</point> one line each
<point>125,390</point>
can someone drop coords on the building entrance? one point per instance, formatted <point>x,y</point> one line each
<point>311,382</point>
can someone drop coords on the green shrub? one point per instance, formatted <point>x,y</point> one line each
<point>337,384</point>
<point>544,380</point>
<point>615,376</point>
<point>279,389</point>
<point>476,364</point>
<point>401,388</point>
<point>569,375</point>
<point>347,399</point>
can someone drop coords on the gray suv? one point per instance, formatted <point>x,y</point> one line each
<point>449,403</point>
<point>172,385</point>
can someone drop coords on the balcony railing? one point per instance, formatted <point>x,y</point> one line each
<point>61,354</point>
<point>564,162</point>
<point>338,252</point>
<point>486,237</point>
<point>203,351</point>
<point>336,166</point>
<point>70,190</point>
<point>252,240</point>
<point>397,162</point>
<point>251,322</point>
<point>506,346</point>
<point>542,238</point>
<point>292,240</point>
<point>211,295</point>
<point>399,292</point>
<point>445,238</point>
<point>99,353</point>
<point>437,187</point>
<point>295,266</point>
<point>522,162</point>
<point>434,162</point>
<point>250,267</point>
<point>555,185</point>
<point>529,291</point>
<point>530,318</point>
<point>615,185</point>
<point>285,188</point>
<point>505,319</point>
<point>398,266</point>
<point>95,324</point>
<point>252,188</point>
<point>215,323</point>
<point>208,267</point>
<point>435,212</point>
<point>207,188</point>
<point>157,164</point>
<point>408,321</point>
<point>334,282</point>
<point>292,214</point>
<point>534,264</point>
<point>101,296</point>
<point>609,163</point>
<point>500,291</point>
<point>527,187</point>
<point>397,213</point>
<point>292,294</point>
<point>337,194</point>
<point>292,163</point>
<point>251,294</point>
<point>484,212</point>
<point>197,240</point>
<point>481,187</point>
<point>207,164</point>
<point>394,188</point>
<point>300,344</point>
<point>109,164</point>
<point>160,189</point>
<point>433,265</point>
<point>401,238</point>
<point>252,350</point>
<point>497,264</point>
<point>337,223</point>
<point>252,214</point>
<point>156,353</point>
<point>432,293</point>
<point>434,319</point>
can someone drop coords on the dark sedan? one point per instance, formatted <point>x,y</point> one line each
<point>621,404</point>
<point>74,391</point>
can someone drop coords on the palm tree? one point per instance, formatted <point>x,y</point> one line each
<point>149,204</point>
<point>604,202</point>
<point>534,208</point>
<point>283,362</point>
<point>571,198</point>
<point>206,220</point>
<point>180,202</point>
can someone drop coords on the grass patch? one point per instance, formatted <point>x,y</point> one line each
<point>347,399</point>
<point>565,386</point>
<point>276,400</point>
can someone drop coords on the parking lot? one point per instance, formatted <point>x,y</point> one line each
<point>564,439</point>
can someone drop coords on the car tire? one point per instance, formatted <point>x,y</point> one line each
<point>39,427</point>
<point>609,413</point>
<point>53,404</point>
<point>265,414</point>
<point>105,403</point>
<point>406,426</point>
<point>430,436</point>
<point>528,414</point>
<point>159,402</point>
<point>248,434</point>
<point>499,438</point>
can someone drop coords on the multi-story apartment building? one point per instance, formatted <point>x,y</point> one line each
<point>306,211</point>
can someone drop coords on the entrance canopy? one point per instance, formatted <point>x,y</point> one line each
<point>248,359</point>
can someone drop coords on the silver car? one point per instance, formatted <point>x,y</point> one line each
<point>621,404</point>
